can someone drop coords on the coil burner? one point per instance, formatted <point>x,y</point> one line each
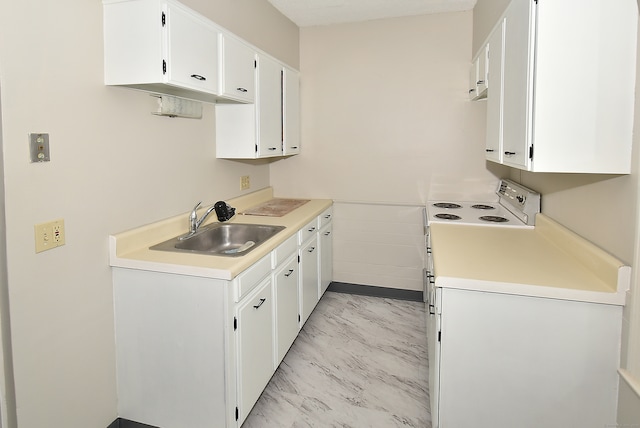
<point>447,205</point>
<point>444,216</point>
<point>493,219</point>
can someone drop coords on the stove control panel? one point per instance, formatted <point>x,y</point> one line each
<point>524,202</point>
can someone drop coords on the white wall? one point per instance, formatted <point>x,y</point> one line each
<point>114,166</point>
<point>385,114</point>
<point>385,122</point>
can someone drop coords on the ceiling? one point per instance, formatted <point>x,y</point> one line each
<point>307,13</point>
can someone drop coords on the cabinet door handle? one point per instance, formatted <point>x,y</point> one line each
<point>312,249</point>
<point>241,89</point>
<point>432,310</point>
<point>489,150</point>
<point>288,274</point>
<point>197,76</point>
<point>312,229</point>
<point>509,153</point>
<point>259,304</point>
<point>480,82</point>
<point>272,148</point>
<point>327,233</point>
<point>294,147</point>
<point>327,216</point>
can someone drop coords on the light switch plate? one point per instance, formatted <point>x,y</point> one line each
<point>39,147</point>
<point>49,235</point>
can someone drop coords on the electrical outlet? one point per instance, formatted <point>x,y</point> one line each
<point>49,235</point>
<point>245,183</point>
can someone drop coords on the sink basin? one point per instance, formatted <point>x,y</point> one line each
<point>230,240</point>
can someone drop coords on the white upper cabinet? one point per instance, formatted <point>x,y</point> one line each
<point>494,77</point>
<point>566,98</point>
<point>237,76</point>
<point>478,75</point>
<point>291,111</point>
<point>160,46</point>
<point>268,128</point>
<point>188,66</point>
<point>269,107</point>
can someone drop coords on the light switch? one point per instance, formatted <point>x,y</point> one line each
<point>39,147</point>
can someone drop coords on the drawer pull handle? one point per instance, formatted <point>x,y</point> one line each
<point>328,216</point>
<point>259,304</point>
<point>241,89</point>
<point>480,82</point>
<point>327,233</point>
<point>197,76</point>
<point>272,148</point>
<point>312,229</point>
<point>311,250</point>
<point>294,147</point>
<point>288,274</point>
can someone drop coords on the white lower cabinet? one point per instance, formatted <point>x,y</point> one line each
<point>173,349</point>
<point>197,352</point>
<point>285,281</point>
<point>326,258</point>
<point>255,342</point>
<point>519,361</point>
<point>308,278</point>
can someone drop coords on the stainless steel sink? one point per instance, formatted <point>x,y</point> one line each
<point>222,239</point>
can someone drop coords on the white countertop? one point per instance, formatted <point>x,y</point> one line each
<point>547,261</point>
<point>130,249</point>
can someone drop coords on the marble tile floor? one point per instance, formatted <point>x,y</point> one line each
<point>359,362</point>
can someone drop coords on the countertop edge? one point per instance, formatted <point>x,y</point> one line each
<point>540,291</point>
<point>134,253</point>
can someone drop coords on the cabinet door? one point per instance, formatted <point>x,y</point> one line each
<point>192,51</point>
<point>481,80</point>
<point>291,111</point>
<point>238,70</point>
<point>473,73</point>
<point>326,258</point>
<point>494,95</point>
<point>287,324</point>
<point>517,91</point>
<point>308,278</point>
<point>269,104</point>
<point>255,346</point>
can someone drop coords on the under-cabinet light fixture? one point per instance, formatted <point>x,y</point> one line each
<point>178,107</point>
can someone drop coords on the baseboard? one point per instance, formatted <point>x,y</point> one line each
<point>125,423</point>
<point>369,290</point>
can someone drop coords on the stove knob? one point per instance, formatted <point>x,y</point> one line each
<point>520,199</point>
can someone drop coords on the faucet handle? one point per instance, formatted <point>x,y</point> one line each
<point>224,211</point>
<point>193,218</point>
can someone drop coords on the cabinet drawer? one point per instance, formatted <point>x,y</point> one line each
<point>283,251</point>
<point>325,217</point>
<point>308,231</point>
<point>248,279</point>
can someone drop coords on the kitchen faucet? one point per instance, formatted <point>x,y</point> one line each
<point>194,223</point>
<point>223,211</point>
